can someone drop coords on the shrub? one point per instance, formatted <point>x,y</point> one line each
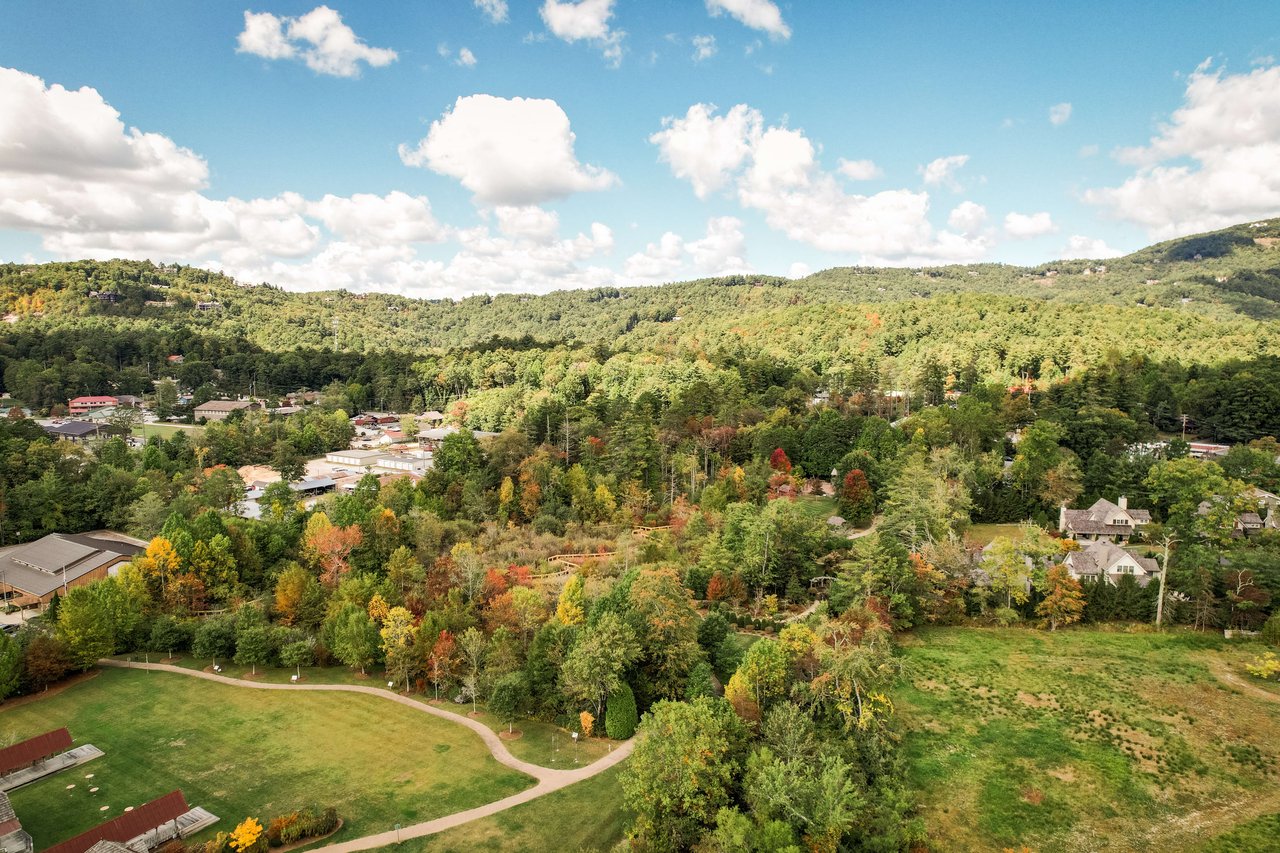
<point>1271,630</point>
<point>1267,666</point>
<point>620,716</point>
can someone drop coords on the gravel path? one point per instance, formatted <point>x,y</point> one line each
<point>549,779</point>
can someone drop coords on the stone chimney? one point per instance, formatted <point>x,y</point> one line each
<point>1062,517</point>
<point>1124,502</point>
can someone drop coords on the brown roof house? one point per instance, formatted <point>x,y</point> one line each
<point>220,410</point>
<point>1112,522</point>
<point>1103,560</point>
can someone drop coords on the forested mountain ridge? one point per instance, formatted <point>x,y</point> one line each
<point>1210,297</point>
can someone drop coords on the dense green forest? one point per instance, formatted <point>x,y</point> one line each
<point>1164,301</point>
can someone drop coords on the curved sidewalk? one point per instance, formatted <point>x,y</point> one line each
<point>549,779</point>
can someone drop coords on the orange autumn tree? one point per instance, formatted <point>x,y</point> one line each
<point>328,547</point>
<point>1063,599</point>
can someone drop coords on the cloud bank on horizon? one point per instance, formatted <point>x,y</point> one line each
<point>508,175</point>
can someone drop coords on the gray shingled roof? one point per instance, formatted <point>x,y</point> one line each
<point>108,847</point>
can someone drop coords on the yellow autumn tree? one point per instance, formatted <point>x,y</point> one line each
<point>569,610</point>
<point>159,564</point>
<point>586,719</point>
<point>378,607</point>
<point>245,836</point>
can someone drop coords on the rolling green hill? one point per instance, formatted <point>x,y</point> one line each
<point>1206,299</point>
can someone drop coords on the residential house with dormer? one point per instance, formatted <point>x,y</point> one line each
<point>1104,521</point>
<point>1103,560</point>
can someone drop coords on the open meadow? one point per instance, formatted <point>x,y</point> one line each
<point>244,752</point>
<point>1089,740</point>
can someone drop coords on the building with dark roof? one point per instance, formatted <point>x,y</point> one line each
<point>32,573</point>
<point>1113,522</point>
<point>73,430</point>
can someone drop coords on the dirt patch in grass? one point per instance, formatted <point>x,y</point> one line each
<point>516,735</point>
<point>1040,700</point>
<point>1063,774</point>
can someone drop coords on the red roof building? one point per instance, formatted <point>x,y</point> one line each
<point>129,825</point>
<point>25,753</point>
<point>84,405</point>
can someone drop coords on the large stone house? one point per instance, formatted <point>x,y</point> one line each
<point>1102,560</point>
<point>1104,521</point>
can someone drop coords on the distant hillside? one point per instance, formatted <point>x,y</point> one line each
<point>1207,297</point>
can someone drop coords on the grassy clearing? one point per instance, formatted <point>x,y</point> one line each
<point>542,743</point>
<point>817,506</point>
<point>1084,740</point>
<point>167,431</point>
<point>585,816</point>
<point>241,752</point>
<point>982,534</point>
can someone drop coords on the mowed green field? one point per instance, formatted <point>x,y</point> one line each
<point>540,743</point>
<point>585,816</point>
<point>167,430</point>
<point>1088,740</point>
<point>241,752</point>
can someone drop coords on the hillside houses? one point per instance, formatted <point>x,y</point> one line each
<point>1104,521</point>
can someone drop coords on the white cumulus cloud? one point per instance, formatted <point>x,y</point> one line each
<point>704,47</point>
<point>585,20</point>
<point>1091,248</point>
<point>967,217</point>
<point>1059,114</point>
<point>1216,162</point>
<point>74,175</point>
<point>775,170</point>
<point>757,14</point>
<point>319,38</point>
<point>942,171</point>
<point>859,170</point>
<point>704,148</point>
<point>507,151</point>
<point>720,251</point>
<point>494,10</point>
<point>1024,226</point>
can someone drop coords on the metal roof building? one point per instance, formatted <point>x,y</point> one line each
<point>36,570</point>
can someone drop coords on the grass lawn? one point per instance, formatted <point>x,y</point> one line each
<point>242,752</point>
<point>982,534</point>
<point>817,506</point>
<point>1084,739</point>
<point>166,430</point>
<point>542,743</point>
<point>585,816</point>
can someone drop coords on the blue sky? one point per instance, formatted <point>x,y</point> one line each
<point>607,141</point>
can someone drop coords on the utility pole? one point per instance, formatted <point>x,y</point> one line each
<point>1184,427</point>
<point>1164,570</point>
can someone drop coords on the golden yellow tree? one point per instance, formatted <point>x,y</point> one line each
<point>587,720</point>
<point>378,607</point>
<point>246,835</point>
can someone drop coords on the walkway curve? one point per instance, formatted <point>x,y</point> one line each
<point>549,779</point>
<point>1226,676</point>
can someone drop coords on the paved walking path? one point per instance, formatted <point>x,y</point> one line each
<point>549,779</point>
